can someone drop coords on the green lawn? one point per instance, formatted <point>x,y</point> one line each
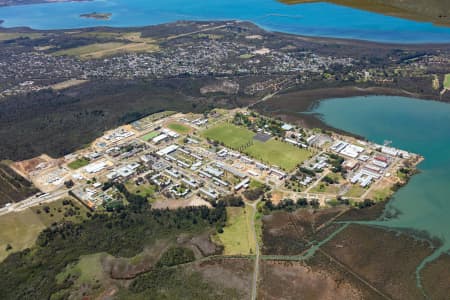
<point>322,187</point>
<point>150,136</point>
<point>273,152</point>
<point>447,81</point>
<point>79,163</point>
<point>146,190</point>
<point>237,237</point>
<point>179,128</point>
<point>355,191</point>
<point>230,135</point>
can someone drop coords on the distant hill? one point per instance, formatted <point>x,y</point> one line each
<point>436,11</point>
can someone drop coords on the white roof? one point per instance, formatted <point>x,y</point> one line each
<point>160,138</point>
<point>167,150</point>
<point>95,167</point>
<point>287,127</point>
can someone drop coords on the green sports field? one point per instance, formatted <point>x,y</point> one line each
<point>447,81</point>
<point>273,152</point>
<point>150,136</point>
<point>179,128</point>
<point>79,163</point>
<point>230,135</point>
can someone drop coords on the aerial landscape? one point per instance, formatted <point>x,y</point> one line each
<point>215,150</point>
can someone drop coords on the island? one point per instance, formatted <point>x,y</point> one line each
<point>97,16</point>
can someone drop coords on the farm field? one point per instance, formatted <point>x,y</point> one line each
<point>230,135</point>
<point>237,237</point>
<point>277,153</point>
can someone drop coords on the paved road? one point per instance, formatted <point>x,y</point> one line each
<point>33,201</point>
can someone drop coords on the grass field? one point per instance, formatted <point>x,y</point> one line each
<point>79,163</point>
<point>179,128</point>
<point>322,187</point>
<point>447,81</point>
<point>150,136</point>
<point>99,50</point>
<point>237,237</point>
<point>355,191</point>
<point>58,211</point>
<point>231,135</point>
<point>19,230</point>
<point>87,270</point>
<point>146,190</point>
<point>5,36</point>
<point>277,153</point>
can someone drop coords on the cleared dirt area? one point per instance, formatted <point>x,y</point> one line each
<point>296,280</point>
<point>66,84</point>
<point>179,203</point>
<point>28,167</point>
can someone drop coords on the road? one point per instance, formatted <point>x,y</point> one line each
<point>255,236</point>
<point>33,201</point>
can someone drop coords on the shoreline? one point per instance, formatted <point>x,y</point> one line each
<point>310,99</point>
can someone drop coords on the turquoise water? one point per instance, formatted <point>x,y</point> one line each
<point>314,19</point>
<point>418,126</point>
